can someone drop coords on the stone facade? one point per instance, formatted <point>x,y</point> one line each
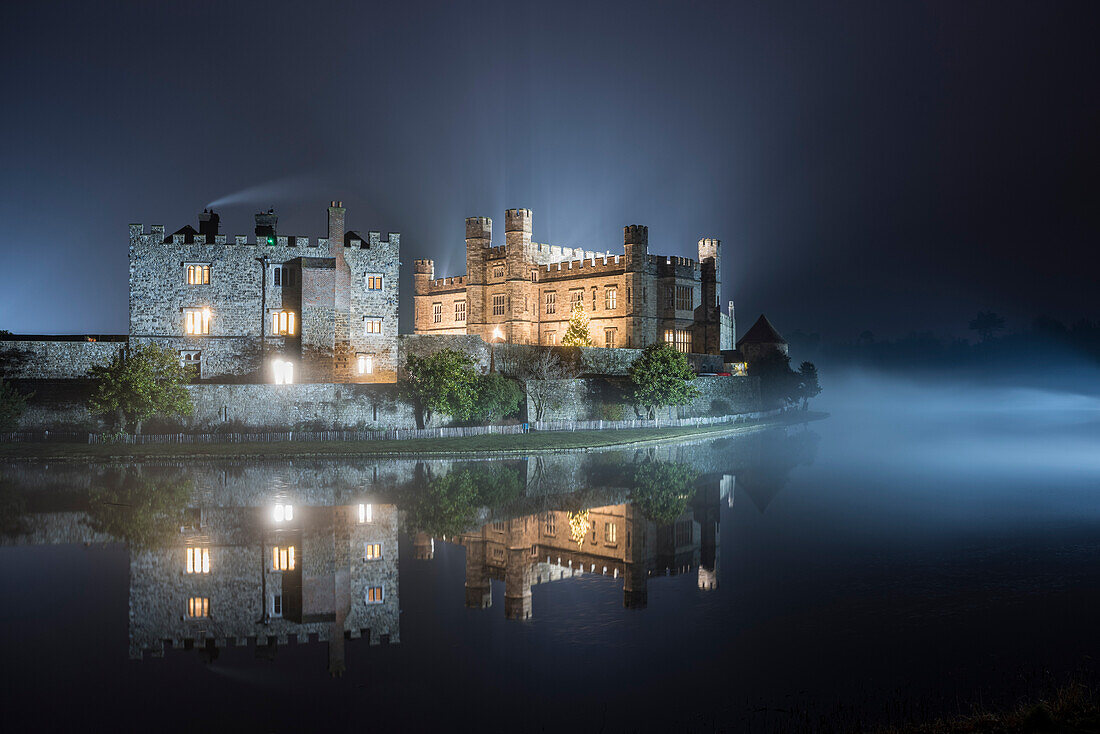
<point>56,359</point>
<point>522,292</point>
<point>339,295</point>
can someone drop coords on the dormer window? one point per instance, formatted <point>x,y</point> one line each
<point>197,273</point>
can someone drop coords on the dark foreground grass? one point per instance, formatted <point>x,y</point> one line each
<point>490,444</point>
<point>1074,707</point>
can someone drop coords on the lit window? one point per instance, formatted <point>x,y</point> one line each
<point>276,605</point>
<point>374,595</point>
<point>576,298</point>
<point>282,323</point>
<point>611,296</point>
<point>282,559</point>
<point>551,302</point>
<point>594,298</point>
<point>551,338</point>
<point>198,606</point>
<point>373,551</point>
<point>198,274</point>
<point>366,513</point>
<point>437,313</point>
<point>498,271</point>
<point>683,340</point>
<point>198,560</point>
<point>284,372</point>
<point>498,304</point>
<point>374,282</point>
<point>284,513</point>
<point>196,321</point>
<point>372,325</point>
<point>610,533</point>
<point>609,338</point>
<point>460,310</point>
<point>366,364</point>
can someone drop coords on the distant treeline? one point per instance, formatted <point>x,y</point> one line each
<point>1045,339</point>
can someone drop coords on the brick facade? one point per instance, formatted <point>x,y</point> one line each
<point>522,292</point>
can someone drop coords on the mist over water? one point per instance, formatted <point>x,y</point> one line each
<point>933,542</point>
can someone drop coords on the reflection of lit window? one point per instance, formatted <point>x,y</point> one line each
<point>282,323</point>
<point>373,551</point>
<point>198,606</point>
<point>284,372</point>
<point>196,321</point>
<point>366,513</point>
<point>198,560</point>
<point>498,554</point>
<point>550,525</point>
<point>282,559</point>
<point>277,605</point>
<point>611,533</point>
<point>374,595</point>
<point>366,364</point>
<point>284,512</point>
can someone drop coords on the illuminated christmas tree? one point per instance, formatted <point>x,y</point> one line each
<point>577,335</point>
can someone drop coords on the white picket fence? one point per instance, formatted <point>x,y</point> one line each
<point>601,425</point>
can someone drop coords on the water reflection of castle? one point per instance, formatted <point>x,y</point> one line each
<point>268,574</point>
<point>614,540</point>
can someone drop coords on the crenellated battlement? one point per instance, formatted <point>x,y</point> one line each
<point>155,237</point>
<point>591,265</point>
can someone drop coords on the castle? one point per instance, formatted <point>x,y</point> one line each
<point>278,309</point>
<point>523,292</point>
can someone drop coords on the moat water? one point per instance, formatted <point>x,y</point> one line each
<point>922,549</point>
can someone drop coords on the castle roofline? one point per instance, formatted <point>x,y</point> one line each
<point>762,332</point>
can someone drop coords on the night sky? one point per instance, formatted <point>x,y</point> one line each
<point>880,165</point>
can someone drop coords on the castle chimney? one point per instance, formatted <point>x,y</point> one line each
<point>336,214</point>
<point>208,224</point>
<point>266,222</point>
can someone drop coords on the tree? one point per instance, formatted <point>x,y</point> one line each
<point>497,397</point>
<point>578,334</point>
<point>139,383</point>
<point>448,505</point>
<point>145,511</point>
<point>661,377</point>
<point>987,324</point>
<point>779,384</point>
<point>545,377</point>
<point>12,405</point>
<point>661,490</point>
<point>444,382</point>
<point>808,385</point>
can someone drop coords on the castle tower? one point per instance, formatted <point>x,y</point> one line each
<point>342,352</point>
<point>642,308</point>
<point>519,256</point>
<point>479,592</point>
<point>423,274</point>
<point>479,238</point>
<point>708,318</point>
<point>517,584</point>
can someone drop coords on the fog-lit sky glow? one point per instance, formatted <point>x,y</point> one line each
<point>867,165</point>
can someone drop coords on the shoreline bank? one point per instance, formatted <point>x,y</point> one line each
<point>494,445</point>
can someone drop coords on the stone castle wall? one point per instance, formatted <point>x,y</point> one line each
<point>53,360</point>
<point>609,399</point>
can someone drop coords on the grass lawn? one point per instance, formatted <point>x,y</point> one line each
<point>497,444</point>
